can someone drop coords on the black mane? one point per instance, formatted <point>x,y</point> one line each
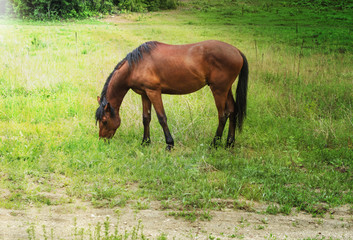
<point>133,58</point>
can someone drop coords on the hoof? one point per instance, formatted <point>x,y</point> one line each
<point>146,142</point>
<point>216,142</point>
<point>169,147</point>
<point>230,143</point>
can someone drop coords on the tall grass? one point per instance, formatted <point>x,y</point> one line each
<point>295,149</point>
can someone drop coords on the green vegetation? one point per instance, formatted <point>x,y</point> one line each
<point>295,151</point>
<point>101,231</point>
<point>45,10</point>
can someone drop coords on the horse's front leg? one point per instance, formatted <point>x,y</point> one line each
<point>156,98</point>
<point>146,119</point>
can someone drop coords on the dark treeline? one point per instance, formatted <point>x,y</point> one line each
<point>336,4</point>
<point>57,9</point>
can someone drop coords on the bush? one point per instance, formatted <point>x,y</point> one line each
<point>43,9</point>
<point>54,9</point>
<point>143,5</point>
<point>322,4</point>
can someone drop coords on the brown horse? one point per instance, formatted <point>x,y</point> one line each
<point>155,68</point>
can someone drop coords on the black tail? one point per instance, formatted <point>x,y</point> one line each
<point>241,92</point>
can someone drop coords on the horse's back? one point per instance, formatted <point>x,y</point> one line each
<point>182,69</point>
<point>210,54</point>
<point>224,62</point>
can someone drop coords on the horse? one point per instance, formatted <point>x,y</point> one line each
<point>156,68</point>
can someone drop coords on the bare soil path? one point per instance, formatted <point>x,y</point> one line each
<point>81,219</point>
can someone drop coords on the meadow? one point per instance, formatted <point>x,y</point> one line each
<point>295,151</point>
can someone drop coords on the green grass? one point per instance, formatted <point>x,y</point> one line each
<point>295,150</point>
<point>99,231</point>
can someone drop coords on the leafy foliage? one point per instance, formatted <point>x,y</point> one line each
<point>338,4</point>
<point>54,9</point>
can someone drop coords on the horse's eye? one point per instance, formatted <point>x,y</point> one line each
<point>105,123</point>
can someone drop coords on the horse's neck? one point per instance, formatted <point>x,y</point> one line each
<point>117,89</point>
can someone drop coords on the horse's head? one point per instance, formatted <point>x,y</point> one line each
<point>107,119</point>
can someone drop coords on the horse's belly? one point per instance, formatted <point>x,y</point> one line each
<point>182,86</point>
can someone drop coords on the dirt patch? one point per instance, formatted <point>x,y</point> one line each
<point>119,19</point>
<point>64,221</point>
<point>126,18</point>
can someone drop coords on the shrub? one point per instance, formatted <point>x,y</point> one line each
<point>54,9</point>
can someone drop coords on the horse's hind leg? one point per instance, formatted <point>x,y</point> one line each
<point>230,107</point>
<point>220,100</point>
<point>156,99</point>
<point>146,119</point>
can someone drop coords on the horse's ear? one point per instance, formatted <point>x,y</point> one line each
<point>107,108</point>
<point>99,100</point>
<point>121,65</point>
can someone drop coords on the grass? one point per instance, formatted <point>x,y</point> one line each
<point>101,231</point>
<point>192,215</point>
<point>295,150</point>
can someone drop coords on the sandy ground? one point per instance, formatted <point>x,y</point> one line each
<point>59,221</point>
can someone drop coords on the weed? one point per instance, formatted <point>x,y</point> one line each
<point>236,234</point>
<point>243,205</point>
<point>264,220</point>
<point>259,227</point>
<point>285,209</point>
<point>295,223</point>
<point>211,237</point>
<point>272,209</point>
<point>142,205</point>
<point>31,232</point>
<point>243,223</point>
<point>205,216</point>
<point>271,237</point>
<point>192,215</point>
<point>319,221</point>
<point>99,231</point>
<point>163,236</point>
